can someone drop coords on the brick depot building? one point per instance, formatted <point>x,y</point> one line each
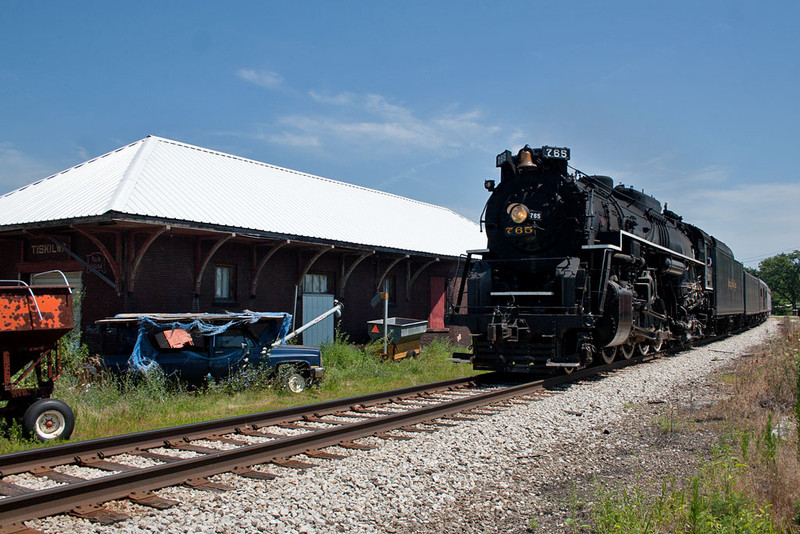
<point>162,226</point>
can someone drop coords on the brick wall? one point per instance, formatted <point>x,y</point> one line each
<point>165,279</point>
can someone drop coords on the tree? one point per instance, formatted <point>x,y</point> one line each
<point>782,275</point>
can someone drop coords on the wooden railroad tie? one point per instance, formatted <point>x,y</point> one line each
<point>150,499</point>
<point>98,514</point>
<point>205,484</point>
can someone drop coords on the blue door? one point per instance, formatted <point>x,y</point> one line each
<point>314,305</point>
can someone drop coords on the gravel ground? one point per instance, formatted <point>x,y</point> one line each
<point>488,475</point>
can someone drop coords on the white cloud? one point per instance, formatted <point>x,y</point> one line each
<point>341,99</point>
<point>371,119</point>
<point>262,78</point>
<point>18,169</point>
<point>378,105</point>
<point>755,220</point>
<point>291,139</point>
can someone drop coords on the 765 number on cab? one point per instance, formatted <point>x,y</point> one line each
<point>555,152</point>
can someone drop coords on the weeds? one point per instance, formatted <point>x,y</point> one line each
<point>108,404</point>
<point>668,424</point>
<point>632,510</point>
<point>768,441</point>
<point>355,370</point>
<point>752,481</point>
<point>797,397</point>
<point>710,502</point>
<point>575,522</point>
<point>248,377</point>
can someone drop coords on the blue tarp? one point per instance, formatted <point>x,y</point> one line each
<point>277,325</point>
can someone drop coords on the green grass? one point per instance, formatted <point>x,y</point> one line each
<point>354,371</point>
<point>711,501</point>
<point>105,405</point>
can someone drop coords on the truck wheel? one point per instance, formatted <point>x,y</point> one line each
<point>48,419</point>
<point>292,380</point>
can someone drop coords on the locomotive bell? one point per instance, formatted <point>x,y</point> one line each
<point>526,160</point>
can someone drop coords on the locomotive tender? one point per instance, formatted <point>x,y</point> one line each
<point>577,271</point>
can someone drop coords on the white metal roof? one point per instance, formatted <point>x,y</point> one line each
<point>168,180</point>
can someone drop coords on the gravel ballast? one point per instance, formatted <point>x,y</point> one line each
<point>487,475</point>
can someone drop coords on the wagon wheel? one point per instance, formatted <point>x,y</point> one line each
<point>643,348</point>
<point>627,350</point>
<point>48,419</point>
<point>608,354</point>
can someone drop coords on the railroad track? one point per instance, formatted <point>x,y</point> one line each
<point>243,445</point>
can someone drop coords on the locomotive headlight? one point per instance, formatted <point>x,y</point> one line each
<point>519,213</point>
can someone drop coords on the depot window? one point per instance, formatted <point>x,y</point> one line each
<point>318,283</point>
<point>224,285</point>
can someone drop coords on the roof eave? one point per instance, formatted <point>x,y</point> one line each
<point>112,217</point>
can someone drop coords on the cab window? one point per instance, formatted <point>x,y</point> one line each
<point>233,339</point>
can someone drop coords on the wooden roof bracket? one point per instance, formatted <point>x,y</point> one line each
<point>389,268</point>
<point>414,277</point>
<point>260,267</point>
<point>112,262</point>
<point>198,277</point>
<point>137,260</point>
<point>349,271</point>
<point>320,252</point>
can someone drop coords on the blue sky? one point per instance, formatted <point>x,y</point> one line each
<point>694,102</point>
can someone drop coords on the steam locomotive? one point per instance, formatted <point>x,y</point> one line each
<point>579,271</point>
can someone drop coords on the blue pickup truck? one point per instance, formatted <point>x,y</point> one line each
<point>196,347</point>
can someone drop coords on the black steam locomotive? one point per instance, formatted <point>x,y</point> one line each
<point>578,270</point>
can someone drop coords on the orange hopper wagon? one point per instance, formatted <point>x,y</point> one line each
<point>32,320</point>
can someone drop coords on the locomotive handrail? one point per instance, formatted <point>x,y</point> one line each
<point>531,260</point>
<point>21,283</point>
<point>521,293</point>
<point>623,233</point>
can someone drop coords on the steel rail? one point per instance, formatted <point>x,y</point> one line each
<point>23,461</point>
<point>119,485</point>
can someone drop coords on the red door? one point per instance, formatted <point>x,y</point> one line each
<point>436,318</point>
